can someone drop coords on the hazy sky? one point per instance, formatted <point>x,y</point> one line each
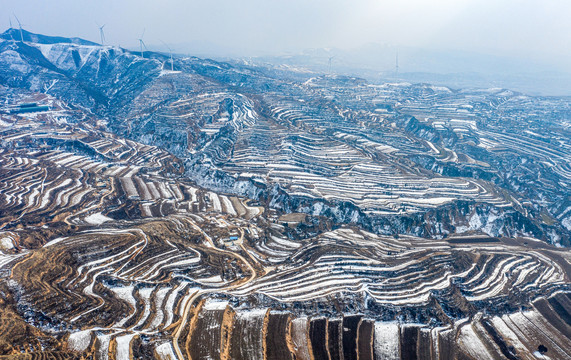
<point>532,29</point>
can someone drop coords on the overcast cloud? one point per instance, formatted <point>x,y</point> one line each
<point>531,29</point>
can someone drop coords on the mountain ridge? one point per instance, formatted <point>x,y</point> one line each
<point>18,34</point>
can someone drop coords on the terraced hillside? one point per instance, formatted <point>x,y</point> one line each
<point>222,211</point>
<point>384,157</point>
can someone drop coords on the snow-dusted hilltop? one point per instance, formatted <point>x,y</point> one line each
<point>21,34</point>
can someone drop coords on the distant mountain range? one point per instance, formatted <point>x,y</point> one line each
<point>460,69</point>
<point>377,63</point>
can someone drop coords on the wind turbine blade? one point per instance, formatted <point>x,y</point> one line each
<point>20,25</point>
<point>165,44</point>
<point>11,34</point>
<point>143,34</point>
<point>18,20</point>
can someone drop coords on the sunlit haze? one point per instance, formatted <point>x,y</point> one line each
<point>533,30</point>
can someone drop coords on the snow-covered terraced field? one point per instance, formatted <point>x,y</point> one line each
<point>31,189</point>
<point>236,211</point>
<point>79,177</point>
<point>342,168</point>
<point>397,275</point>
<point>221,331</point>
<point>169,277</point>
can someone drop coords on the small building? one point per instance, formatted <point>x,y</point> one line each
<point>29,107</point>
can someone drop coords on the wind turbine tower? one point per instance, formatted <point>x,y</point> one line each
<point>330,58</point>
<point>20,25</point>
<point>102,34</point>
<point>170,52</point>
<point>142,43</point>
<point>397,63</point>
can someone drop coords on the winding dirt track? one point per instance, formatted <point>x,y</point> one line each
<point>188,305</point>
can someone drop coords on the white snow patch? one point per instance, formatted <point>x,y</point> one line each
<point>210,280</point>
<point>97,219</point>
<point>6,243</point>
<point>475,222</point>
<point>386,342</point>
<point>124,347</point>
<point>539,355</point>
<point>215,305</point>
<point>55,241</point>
<point>165,352</point>
<point>168,72</point>
<point>472,344</point>
<point>79,341</point>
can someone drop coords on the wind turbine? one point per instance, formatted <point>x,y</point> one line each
<point>397,63</point>
<point>170,52</point>
<point>101,33</point>
<point>330,58</point>
<point>20,25</point>
<point>142,43</point>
